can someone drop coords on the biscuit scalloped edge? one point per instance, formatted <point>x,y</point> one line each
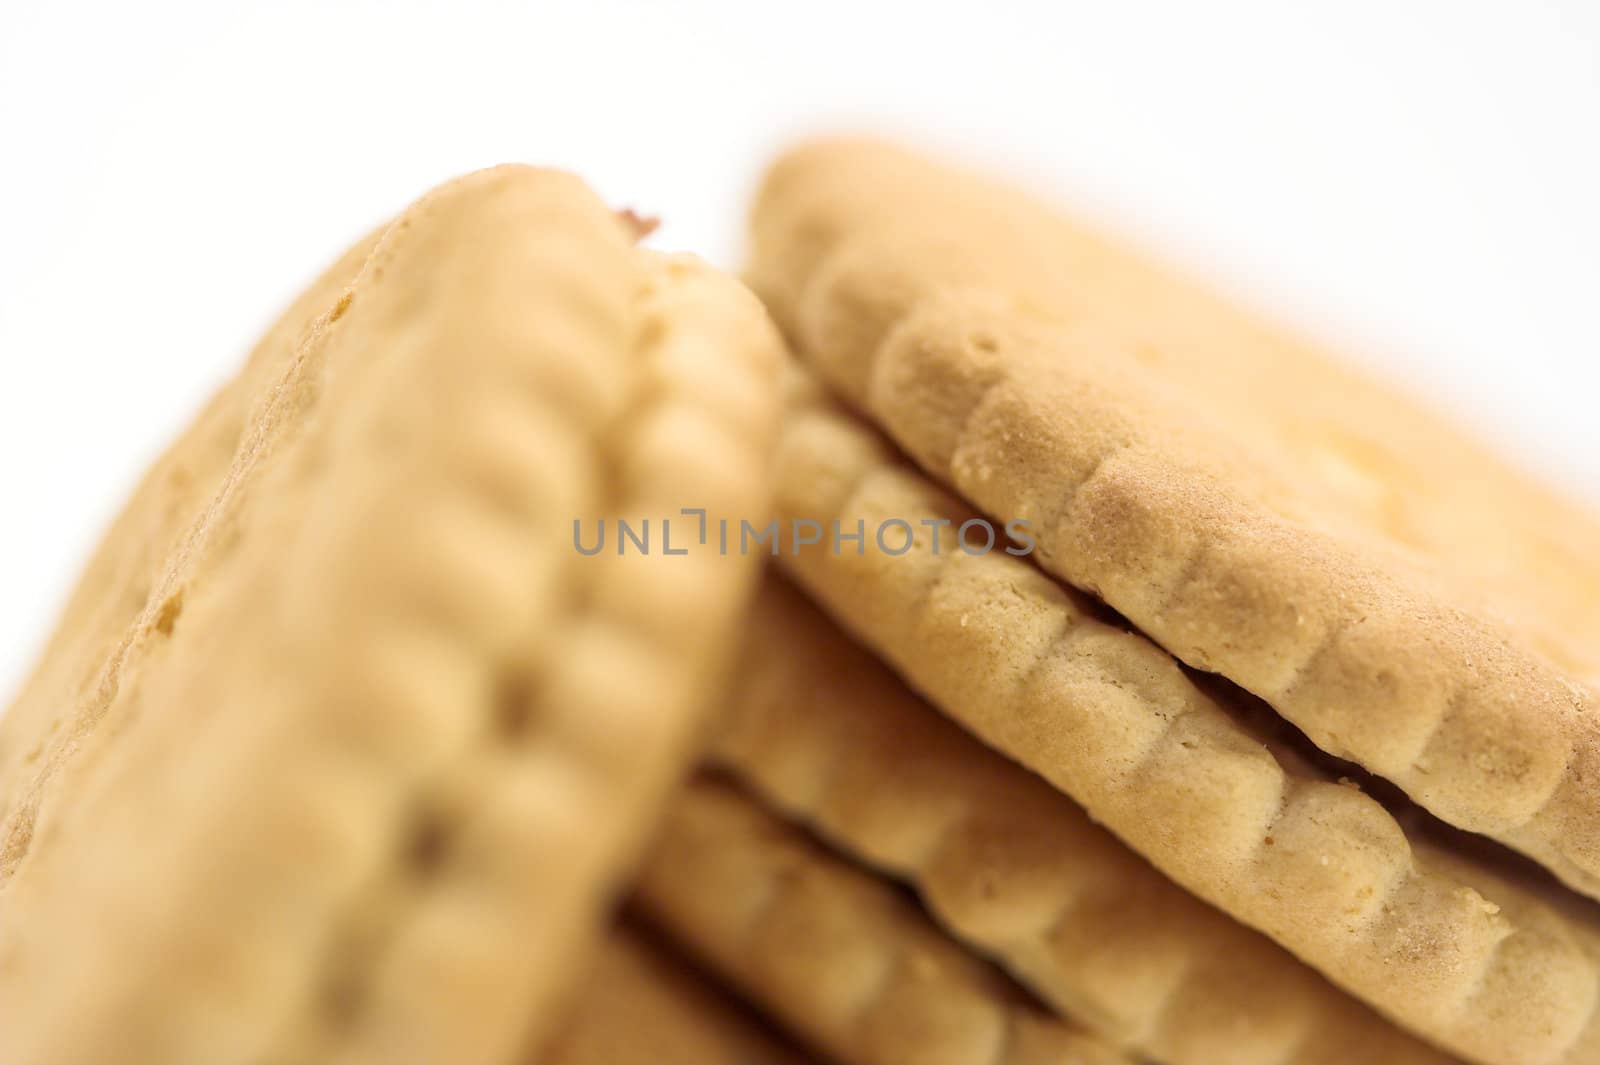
<point>1489,968</point>
<point>1503,743</point>
<point>835,952</point>
<point>825,733</point>
<point>351,844</point>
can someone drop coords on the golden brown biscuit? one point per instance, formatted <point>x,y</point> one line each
<point>1402,596</point>
<point>1479,954</point>
<point>821,730</point>
<point>838,955</point>
<point>643,1005</point>
<point>81,664</point>
<point>379,726</point>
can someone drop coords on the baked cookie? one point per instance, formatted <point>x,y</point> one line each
<point>641,1004</point>
<point>822,731</point>
<point>1398,593</point>
<point>82,661</point>
<point>836,954</point>
<point>362,772</point>
<point>1463,943</point>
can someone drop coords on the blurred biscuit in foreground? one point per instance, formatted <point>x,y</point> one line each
<point>641,1004</point>
<point>344,782</point>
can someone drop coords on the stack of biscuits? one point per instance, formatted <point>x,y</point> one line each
<point>968,643</point>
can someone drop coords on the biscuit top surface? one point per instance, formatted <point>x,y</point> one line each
<point>1407,599</point>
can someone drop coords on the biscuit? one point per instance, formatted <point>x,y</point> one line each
<point>80,663</point>
<point>1484,956</point>
<point>351,789</point>
<point>836,954</point>
<point>643,1005</point>
<point>1402,596</point>
<point>822,731</point>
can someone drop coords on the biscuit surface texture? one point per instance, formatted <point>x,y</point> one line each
<point>1479,955</point>
<point>1408,601</point>
<point>80,666</point>
<point>1015,868</point>
<point>380,742</point>
<point>837,954</point>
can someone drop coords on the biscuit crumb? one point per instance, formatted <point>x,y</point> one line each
<point>340,307</point>
<point>1471,897</point>
<point>167,616</point>
<point>640,225</point>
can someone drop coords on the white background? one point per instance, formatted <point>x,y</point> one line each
<point>1417,180</point>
